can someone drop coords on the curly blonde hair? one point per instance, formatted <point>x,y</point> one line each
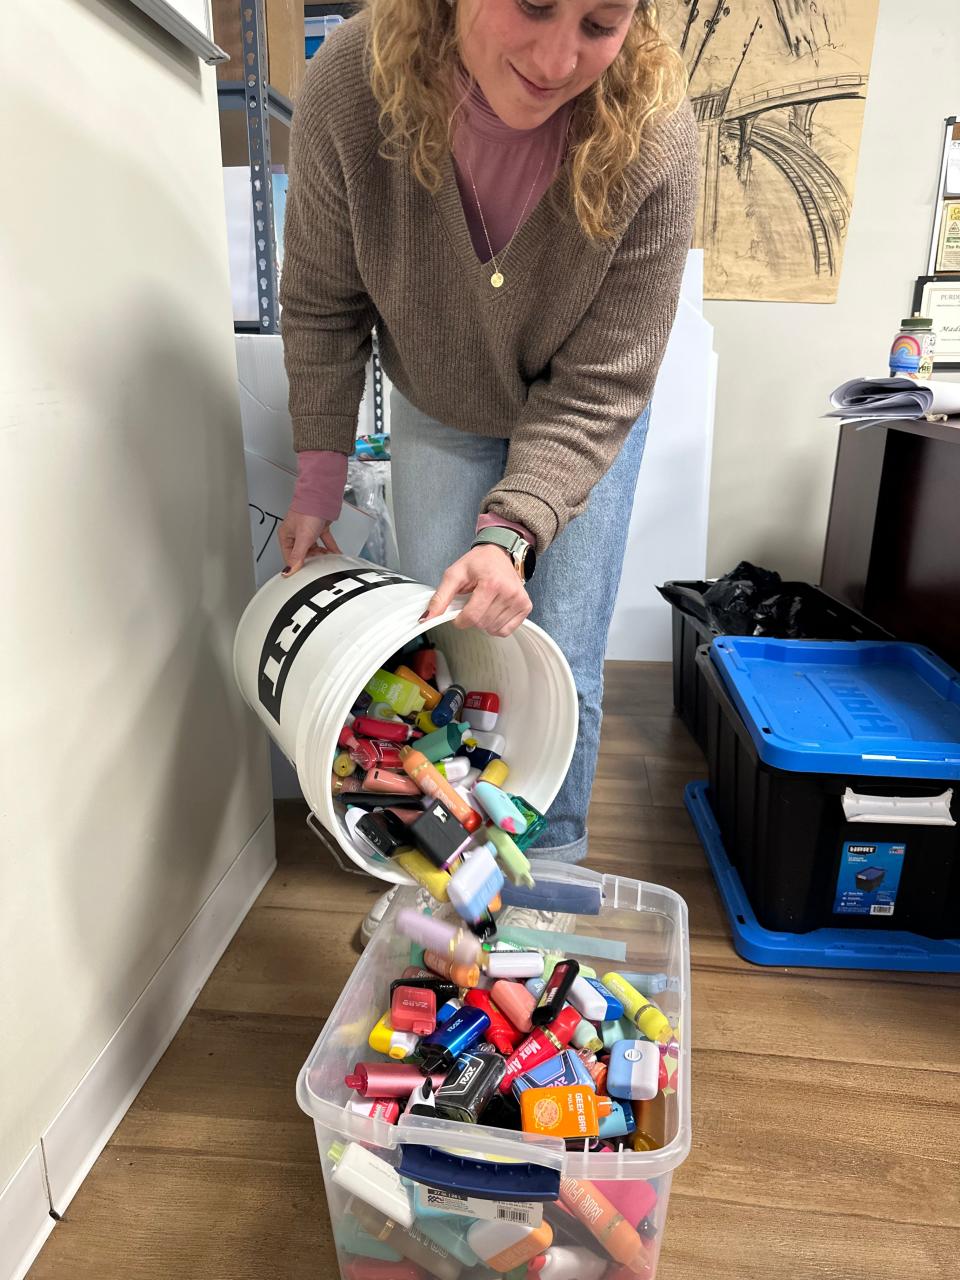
<point>413,59</point>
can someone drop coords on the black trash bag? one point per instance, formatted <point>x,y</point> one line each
<point>733,601</point>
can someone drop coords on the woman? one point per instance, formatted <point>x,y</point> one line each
<point>506,188</point>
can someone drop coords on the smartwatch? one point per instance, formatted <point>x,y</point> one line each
<point>517,548</point>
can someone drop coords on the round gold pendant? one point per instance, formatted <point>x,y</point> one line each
<point>496,279</point>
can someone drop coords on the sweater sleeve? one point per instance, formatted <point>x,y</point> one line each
<point>327,316</point>
<point>578,415</point>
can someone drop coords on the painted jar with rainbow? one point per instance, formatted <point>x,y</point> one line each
<point>911,355</point>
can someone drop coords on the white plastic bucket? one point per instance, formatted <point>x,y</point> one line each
<point>306,645</point>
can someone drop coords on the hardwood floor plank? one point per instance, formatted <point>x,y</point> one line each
<point>733,1241</point>
<point>159,1215</point>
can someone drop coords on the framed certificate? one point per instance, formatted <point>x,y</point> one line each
<point>940,300</point>
<point>948,246</point>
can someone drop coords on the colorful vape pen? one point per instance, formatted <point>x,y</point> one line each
<point>613,1032</point>
<point>369,752</point>
<point>390,782</point>
<point>501,810</point>
<point>438,936</point>
<point>425,776</point>
<point>474,884</point>
<point>343,765</point>
<point>563,1068</point>
<point>414,1009</point>
<point>471,1084</point>
<point>386,1039</point>
<point>554,994</point>
<point>427,692</point>
<point>646,1016</point>
<point>505,1245</point>
<point>619,1123</point>
<point>454,768</point>
<point>482,710</point>
<point>516,865</point>
<point>496,773</point>
<point>464,975</point>
<point>444,1046</point>
<point>411,1241</point>
<point>424,663</point>
<point>444,742</point>
<point>516,1002</point>
<point>593,1000</point>
<point>351,1238</point>
<point>594,1210</point>
<point>413,976</point>
<point>403,695</point>
<point>586,1037</point>
<point>596,1068</point>
<point>450,1233</point>
<point>424,872</point>
<point>569,1111</point>
<point>383,730</point>
<point>501,1033</point>
<point>478,756</point>
<point>382,831</point>
<point>387,1109</point>
<point>512,964</point>
<point>377,1183</point>
<point>634,1070</point>
<point>389,1079</point>
<point>449,706</point>
<point>536,822</point>
<point>422,1102</point>
<point>543,1042</point>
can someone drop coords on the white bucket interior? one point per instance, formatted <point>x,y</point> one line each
<point>538,716</point>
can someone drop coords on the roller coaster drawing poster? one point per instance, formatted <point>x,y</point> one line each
<point>779,88</point>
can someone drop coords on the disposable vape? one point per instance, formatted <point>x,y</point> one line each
<point>469,1087</point>
<point>444,1046</point>
<point>555,992</point>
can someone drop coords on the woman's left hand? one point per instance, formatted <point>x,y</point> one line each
<point>498,599</point>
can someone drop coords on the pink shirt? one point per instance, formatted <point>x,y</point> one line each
<point>503,171</point>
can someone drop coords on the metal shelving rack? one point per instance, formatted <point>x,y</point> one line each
<point>262,103</point>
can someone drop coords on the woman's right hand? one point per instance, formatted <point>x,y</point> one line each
<point>300,537</point>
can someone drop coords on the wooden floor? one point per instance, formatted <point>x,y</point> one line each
<point>826,1111</point>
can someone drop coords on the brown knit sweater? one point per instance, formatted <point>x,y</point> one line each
<point>562,359</point>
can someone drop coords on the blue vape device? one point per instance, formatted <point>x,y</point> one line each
<point>460,1033</point>
<point>619,1122</point>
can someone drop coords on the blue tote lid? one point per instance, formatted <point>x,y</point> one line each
<point>879,708</point>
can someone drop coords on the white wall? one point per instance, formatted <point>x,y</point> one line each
<point>773,453</point>
<point>131,774</point>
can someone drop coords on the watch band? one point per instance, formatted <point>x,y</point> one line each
<point>517,548</point>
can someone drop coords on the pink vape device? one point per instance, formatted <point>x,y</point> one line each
<point>414,1009</point>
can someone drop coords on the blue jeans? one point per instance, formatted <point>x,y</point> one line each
<point>573,590</point>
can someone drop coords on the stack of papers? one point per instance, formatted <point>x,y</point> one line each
<point>873,400</point>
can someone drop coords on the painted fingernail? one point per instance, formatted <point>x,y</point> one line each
<point>284,573</point>
<point>423,616</point>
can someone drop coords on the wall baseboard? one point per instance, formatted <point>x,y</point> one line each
<point>85,1122</point>
<point>25,1220</point>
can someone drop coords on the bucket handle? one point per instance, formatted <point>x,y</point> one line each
<point>320,831</point>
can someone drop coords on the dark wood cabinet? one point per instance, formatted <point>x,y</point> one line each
<point>893,538</point>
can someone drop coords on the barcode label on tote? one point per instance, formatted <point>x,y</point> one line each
<point>882,909</point>
<point>526,1213</point>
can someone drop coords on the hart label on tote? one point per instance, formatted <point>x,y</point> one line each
<point>869,878</point>
<point>300,617</point>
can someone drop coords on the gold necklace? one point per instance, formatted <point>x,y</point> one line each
<point>497,278</point>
